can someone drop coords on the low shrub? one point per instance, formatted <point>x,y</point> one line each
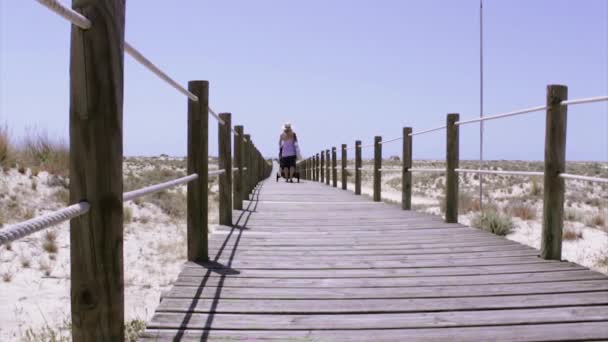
<point>597,220</point>
<point>571,234</point>
<point>521,210</point>
<point>6,149</point>
<point>38,150</point>
<point>493,222</point>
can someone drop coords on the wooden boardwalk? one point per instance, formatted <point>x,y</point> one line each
<point>307,262</point>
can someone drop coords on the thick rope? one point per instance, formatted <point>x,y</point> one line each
<point>19,230</point>
<point>67,13</point>
<point>131,195</point>
<point>500,172</point>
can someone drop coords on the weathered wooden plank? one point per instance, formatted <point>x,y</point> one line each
<point>345,306</point>
<point>583,331</point>
<point>389,292</point>
<point>386,272</point>
<point>380,321</point>
<point>455,280</point>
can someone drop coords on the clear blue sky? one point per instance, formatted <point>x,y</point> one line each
<point>339,70</point>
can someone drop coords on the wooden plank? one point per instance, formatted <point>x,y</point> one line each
<point>583,331</point>
<point>377,306</point>
<point>455,280</point>
<point>379,272</point>
<point>96,156</point>
<point>387,293</point>
<point>380,321</point>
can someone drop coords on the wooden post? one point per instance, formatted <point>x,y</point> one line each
<point>377,167</point>
<point>322,167</point>
<point>334,168</point>
<point>247,161</point>
<point>358,164</point>
<point>96,156</point>
<point>238,163</point>
<point>406,174</point>
<point>198,154</point>
<point>555,163</point>
<point>452,160</point>
<point>317,168</point>
<point>344,163</point>
<point>225,163</point>
<point>327,167</point>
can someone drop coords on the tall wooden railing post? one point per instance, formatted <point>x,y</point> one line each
<point>198,154</point>
<point>247,157</point>
<point>327,167</point>
<point>555,163</point>
<point>344,163</point>
<point>334,168</point>
<point>406,174</point>
<point>96,156</point>
<point>452,161</point>
<point>358,164</point>
<point>322,167</point>
<point>377,167</point>
<point>225,162</point>
<point>317,168</point>
<point>238,164</point>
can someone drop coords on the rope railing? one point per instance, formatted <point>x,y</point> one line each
<point>585,100</point>
<point>391,140</point>
<point>19,230</point>
<point>131,195</point>
<point>503,115</point>
<point>502,172</point>
<point>583,178</point>
<point>429,170</point>
<point>428,131</point>
<point>84,23</point>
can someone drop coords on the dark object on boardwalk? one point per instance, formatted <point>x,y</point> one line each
<point>280,174</point>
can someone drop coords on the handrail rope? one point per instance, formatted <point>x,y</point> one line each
<point>131,195</point>
<point>217,117</point>
<point>584,178</point>
<point>425,170</point>
<point>391,140</point>
<point>503,115</point>
<point>427,131</point>
<point>138,56</point>
<point>84,23</point>
<point>67,13</point>
<point>216,172</point>
<point>501,172</point>
<point>584,100</point>
<point>22,229</point>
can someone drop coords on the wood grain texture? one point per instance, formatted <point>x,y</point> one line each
<point>239,175</point>
<point>377,196</point>
<point>225,163</point>
<point>452,160</point>
<point>198,154</point>
<point>310,260</point>
<point>358,165</point>
<point>334,168</point>
<point>344,162</point>
<point>555,163</point>
<point>406,174</point>
<point>96,156</point>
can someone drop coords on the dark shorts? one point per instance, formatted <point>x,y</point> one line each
<point>288,162</point>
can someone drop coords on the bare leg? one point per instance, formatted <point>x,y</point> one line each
<point>292,172</point>
<point>286,173</point>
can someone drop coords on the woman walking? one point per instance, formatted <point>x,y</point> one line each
<point>288,152</point>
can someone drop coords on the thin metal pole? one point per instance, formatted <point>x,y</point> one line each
<point>481,103</point>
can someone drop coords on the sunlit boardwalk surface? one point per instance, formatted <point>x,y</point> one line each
<point>308,262</point>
